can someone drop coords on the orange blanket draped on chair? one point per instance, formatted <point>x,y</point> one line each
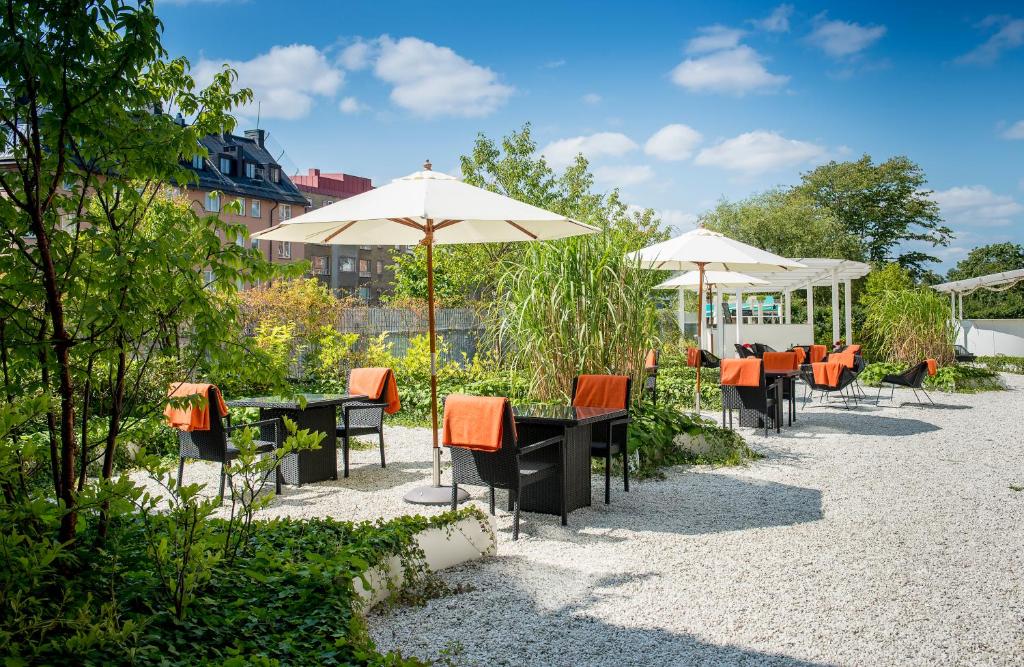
<point>474,422</point>
<point>651,362</point>
<point>192,418</point>
<point>601,391</point>
<point>853,349</point>
<point>827,374</point>
<point>741,372</point>
<point>801,355</point>
<point>692,357</point>
<point>780,361</point>
<point>933,366</point>
<point>843,358</point>
<point>371,382</point>
<point>818,353</point>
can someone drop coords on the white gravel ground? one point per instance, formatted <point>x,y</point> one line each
<point>883,535</point>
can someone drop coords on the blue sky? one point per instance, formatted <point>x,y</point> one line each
<point>678,105</point>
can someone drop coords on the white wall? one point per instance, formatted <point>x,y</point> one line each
<point>991,337</point>
<point>778,336</point>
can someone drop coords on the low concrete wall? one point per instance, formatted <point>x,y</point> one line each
<point>778,336</point>
<point>992,337</point>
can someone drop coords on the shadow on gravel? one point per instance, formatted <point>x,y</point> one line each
<point>859,423</point>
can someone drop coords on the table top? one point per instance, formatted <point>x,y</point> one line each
<point>566,415</point>
<point>292,402</point>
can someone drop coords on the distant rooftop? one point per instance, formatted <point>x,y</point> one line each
<point>336,184</point>
<point>244,151</point>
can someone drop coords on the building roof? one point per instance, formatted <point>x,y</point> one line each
<point>245,150</point>
<point>991,281</point>
<point>335,185</point>
<point>818,272</point>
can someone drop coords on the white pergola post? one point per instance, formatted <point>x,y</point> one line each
<point>739,316</point>
<point>960,299</point>
<point>758,303</point>
<point>719,322</point>
<point>952,305</point>
<point>847,285</point>
<point>789,307</point>
<point>835,308</point>
<point>681,315</point>
<point>810,308</point>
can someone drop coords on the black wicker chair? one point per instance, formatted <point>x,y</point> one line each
<point>612,441</point>
<point>363,418</point>
<point>215,445</point>
<point>846,379</point>
<point>761,348</point>
<point>651,380</point>
<point>912,378</point>
<point>512,467</point>
<point>743,351</point>
<point>758,406</point>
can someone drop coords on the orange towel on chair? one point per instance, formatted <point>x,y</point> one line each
<point>853,349</point>
<point>474,422</point>
<point>818,353</point>
<point>371,381</point>
<point>801,355</point>
<point>843,359</point>
<point>601,391</point>
<point>741,372</point>
<point>692,357</point>
<point>193,418</point>
<point>827,374</point>
<point>780,361</point>
<point>651,362</point>
<point>933,366</point>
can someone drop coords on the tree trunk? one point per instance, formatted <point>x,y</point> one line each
<point>117,405</point>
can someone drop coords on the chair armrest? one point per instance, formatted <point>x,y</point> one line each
<point>556,440</point>
<point>618,422</point>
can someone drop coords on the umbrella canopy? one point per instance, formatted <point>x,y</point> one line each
<point>691,279</point>
<point>427,208</point>
<point>704,249</point>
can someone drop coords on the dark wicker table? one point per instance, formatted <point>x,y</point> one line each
<point>789,379</point>
<point>539,422</point>
<point>320,414</point>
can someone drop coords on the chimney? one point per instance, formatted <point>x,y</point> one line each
<point>256,135</point>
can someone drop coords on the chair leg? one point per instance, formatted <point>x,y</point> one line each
<point>344,453</point>
<point>515,513</point>
<point>381,433</point>
<point>625,469</point>
<point>492,500</point>
<point>455,497</point>
<point>181,468</point>
<point>277,477</point>
<point>608,474</point>
<point>928,396</point>
<point>220,494</point>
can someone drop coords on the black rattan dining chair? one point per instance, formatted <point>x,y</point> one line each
<point>215,444</point>
<point>757,406</point>
<point>651,379</point>
<point>613,441</point>
<point>364,417</point>
<point>512,467</point>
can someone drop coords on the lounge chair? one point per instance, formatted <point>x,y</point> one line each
<point>743,351</point>
<point>613,438</point>
<point>961,354</point>
<point>912,378</point>
<point>703,358</point>
<point>844,377</point>
<point>761,348</point>
<point>744,388</point>
<point>511,466</point>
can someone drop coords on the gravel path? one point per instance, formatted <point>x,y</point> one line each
<point>883,535</point>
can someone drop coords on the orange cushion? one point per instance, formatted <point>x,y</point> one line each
<point>933,366</point>
<point>601,391</point>
<point>801,355</point>
<point>843,359</point>
<point>828,374</point>
<point>692,357</point>
<point>474,422</point>
<point>191,418</point>
<point>780,361</point>
<point>741,372</point>
<point>371,382</point>
<point>652,359</point>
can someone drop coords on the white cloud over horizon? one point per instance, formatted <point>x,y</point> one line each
<point>977,205</point>
<point>841,39</point>
<point>351,105</point>
<point>758,152</point>
<point>777,21</point>
<point>735,71</point>
<point>673,142</point>
<point>715,38</point>
<point>1014,131</point>
<point>618,176</point>
<point>1009,36</point>
<point>562,152</point>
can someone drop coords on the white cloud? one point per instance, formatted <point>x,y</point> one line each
<point>603,144</point>
<point>1009,36</point>
<point>431,80</point>
<point>591,98</point>
<point>777,21</point>
<point>674,217</point>
<point>736,71</point>
<point>357,55</point>
<point>840,39</point>
<point>673,142</point>
<point>1015,131</point>
<point>623,175</point>
<point>553,64</point>
<point>976,205</point>
<point>759,151</point>
<point>714,38</point>
<point>285,80</point>
<point>351,105</point>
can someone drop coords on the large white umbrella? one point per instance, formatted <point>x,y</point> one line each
<point>703,250</point>
<point>428,208</point>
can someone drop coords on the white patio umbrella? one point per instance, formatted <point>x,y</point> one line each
<point>702,250</point>
<point>427,208</point>
<point>712,279</point>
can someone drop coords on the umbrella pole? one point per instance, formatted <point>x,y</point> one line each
<point>700,325</point>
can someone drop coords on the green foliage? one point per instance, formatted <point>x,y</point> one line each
<point>955,378</point>
<point>1002,364</point>
<point>1006,303</point>
<point>882,205</point>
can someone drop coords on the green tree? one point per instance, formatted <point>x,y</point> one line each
<point>885,206</point>
<point>984,260</point>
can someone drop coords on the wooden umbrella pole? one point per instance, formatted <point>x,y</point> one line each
<point>700,324</point>
<point>429,242</point>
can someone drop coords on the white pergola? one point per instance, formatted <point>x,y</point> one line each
<point>993,282</point>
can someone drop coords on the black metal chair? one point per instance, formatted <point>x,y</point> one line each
<point>215,445</point>
<point>743,351</point>
<point>363,418</point>
<point>962,355</point>
<point>758,406</point>
<point>912,378</point>
<point>708,360</point>
<point>761,348</point>
<point>846,378</point>
<point>613,441</point>
<point>512,467</point>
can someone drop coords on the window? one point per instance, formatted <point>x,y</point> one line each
<point>197,162</point>
<point>208,277</point>
<point>285,212</point>
<point>250,170</point>
<point>380,267</point>
<point>241,206</point>
<point>213,202</point>
<point>254,243</point>
<point>225,166</point>
<point>255,212</point>
<point>346,264</point>
<point>321,266</point>
<point>364,294</point>
<point>284,250</point>
<point>275,174</point>
<point>364,268</point>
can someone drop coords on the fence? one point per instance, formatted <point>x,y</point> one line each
<point>460,328</point>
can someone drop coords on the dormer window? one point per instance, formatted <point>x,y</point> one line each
<point>250,170</point>
<point>275,174</point>
<point>225,165</point>
<point>197,162</point>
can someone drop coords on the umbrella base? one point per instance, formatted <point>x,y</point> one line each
<point>434,495</point>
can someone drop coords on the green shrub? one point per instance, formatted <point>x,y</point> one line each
<point>1002,364</point>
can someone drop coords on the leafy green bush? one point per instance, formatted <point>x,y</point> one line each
<point>1002,364</point>
<point>956,378</point>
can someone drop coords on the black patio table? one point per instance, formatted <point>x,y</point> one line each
<point>319,414</point>
<point>789,379</point>
<point>539,422</point>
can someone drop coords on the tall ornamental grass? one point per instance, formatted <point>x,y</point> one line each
<point>575,306</point>
<point>908,325</point>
